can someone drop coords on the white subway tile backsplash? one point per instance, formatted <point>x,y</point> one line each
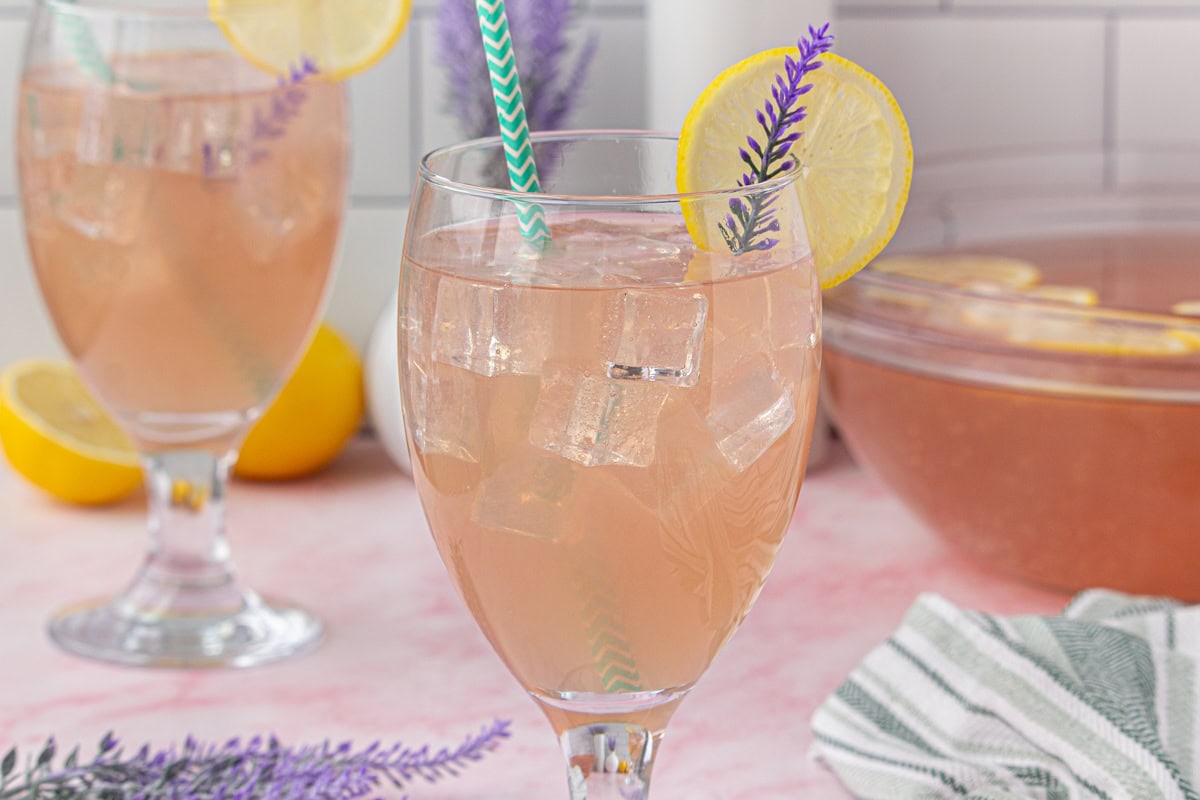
<point>1156,121</point>
<point>970,85</point>
<point>12,43</point>
<point>381,112</point>
<point>1156,97</point>
<point>437,124</point>
<point>613,95</point>
<point>25,329</point>
<point>1035,7</point>
<point>1161,168</point>
<point>1042,167</point>
<point>368,270</point>
<point>855,5</point>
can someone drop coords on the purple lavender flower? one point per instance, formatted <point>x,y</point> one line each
<point>538,29</point>
<point>270,120</point>
<point>748,223</point>
<point>259,769</point>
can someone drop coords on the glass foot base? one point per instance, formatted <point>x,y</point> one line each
<point>248,635</point>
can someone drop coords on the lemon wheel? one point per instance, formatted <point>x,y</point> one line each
<point>342,36</point>
<point>855,155</point>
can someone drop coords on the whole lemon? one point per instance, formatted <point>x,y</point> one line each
<point>314,415</point>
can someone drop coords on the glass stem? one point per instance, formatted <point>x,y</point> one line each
<point>610,761</point>
<point>187,569</point>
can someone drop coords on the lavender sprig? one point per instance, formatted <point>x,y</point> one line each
<point>748,223</point>
<point>258,769</point>
<point>539,31</point>
<point>270,121</point>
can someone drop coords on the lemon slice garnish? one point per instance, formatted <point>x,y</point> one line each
<point>59,438</point>
<point>855,156</point>
<point>342,36</point>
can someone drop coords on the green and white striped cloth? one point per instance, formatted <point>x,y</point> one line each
<point>1100,702</point>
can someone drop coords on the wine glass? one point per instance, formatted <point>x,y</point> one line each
<point>181,208</point>
<point>609,430</point>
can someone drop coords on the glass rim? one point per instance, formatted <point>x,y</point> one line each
<point>427,173</point>
<point>196,10</point>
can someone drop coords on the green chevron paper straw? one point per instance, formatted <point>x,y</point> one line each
<point>510,111</point>
<point>610,647</point>
<point>83,47</point>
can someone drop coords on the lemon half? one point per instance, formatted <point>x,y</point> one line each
<point>855,155</point>
<point>57,436</point>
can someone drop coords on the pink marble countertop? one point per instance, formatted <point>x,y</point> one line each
<point>404,661</point>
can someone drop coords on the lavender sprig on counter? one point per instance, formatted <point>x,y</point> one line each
<point>257,769</point>
<point>539,31</point>
<point>748,223</point>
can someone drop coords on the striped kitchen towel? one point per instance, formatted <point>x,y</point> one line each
<point>1100,702</point>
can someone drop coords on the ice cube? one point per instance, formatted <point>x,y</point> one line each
<point>657,336</point>
<point>416,307</point>
<point>280,206</point>
<point>528,495</point>
<point>645,253</point>
<point>751,409</point>
<point>595,421</point>
<point>104,201</point>
<point>490,330</point>
<point>445,414</point>
<point>793,310</point>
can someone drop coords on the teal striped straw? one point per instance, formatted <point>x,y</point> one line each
<point>85,51</point>
<point>614,662</point>
<point>510,111</point>
<point>83,47</point>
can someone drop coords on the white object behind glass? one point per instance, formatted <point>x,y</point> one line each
<point>690,41</point>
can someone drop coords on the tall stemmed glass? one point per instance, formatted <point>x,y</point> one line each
<point>608,432</point>
<point>181,208</point>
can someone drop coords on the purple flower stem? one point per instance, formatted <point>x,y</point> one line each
<point>270,121</point>
<point>749,221</point>
<point>258,769</point>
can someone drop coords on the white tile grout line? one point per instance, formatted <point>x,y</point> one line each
<point>947,8</point>
<point>363,202</point>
